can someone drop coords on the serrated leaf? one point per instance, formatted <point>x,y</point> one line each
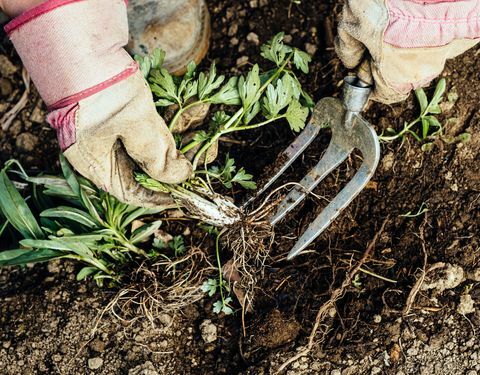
<point>275,50</point>
<point>207,83</point>
<point>277,98</point>
<point>144,64</point>
<point>163,86</point>
<point>210,286</point>
<point>244,179</point>
<point>301,60</point>
<point>248,88</point>
<point>228,94</point>
<point>16,211</point>
<point>157,58</point>
<point>163,103</point>
<point>218,307</point>
<point>296,115</point>
<point>251,113</point>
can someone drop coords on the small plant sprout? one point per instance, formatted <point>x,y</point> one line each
<point>421,210</point>
<point>427,117</point>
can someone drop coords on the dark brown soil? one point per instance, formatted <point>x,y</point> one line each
<point>47,317</point>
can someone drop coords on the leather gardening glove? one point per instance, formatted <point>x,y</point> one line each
<point>99,102</point>
<point>401,45</point>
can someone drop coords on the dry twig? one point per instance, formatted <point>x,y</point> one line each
<point>9,116</point>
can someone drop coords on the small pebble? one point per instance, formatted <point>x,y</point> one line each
<point>310,48</point>
<point>209,331</point>
<point>26,142</point>
<point>253,38</point>
<point>95,363</point>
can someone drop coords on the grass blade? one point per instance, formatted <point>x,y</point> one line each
<point>16,210</point>
<point>21,256</point>
<point>74,214</point>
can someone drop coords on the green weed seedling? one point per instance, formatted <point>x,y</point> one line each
<point>430,126</point>
<point>76,221</point>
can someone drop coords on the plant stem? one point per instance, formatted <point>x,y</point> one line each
<point>248,127</point>
<point>180,111</point>
<point>219,264</point>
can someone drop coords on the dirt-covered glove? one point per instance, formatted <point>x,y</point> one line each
<point>98,101</point>
<point>400,45</point>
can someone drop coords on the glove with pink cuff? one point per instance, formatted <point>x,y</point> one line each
<point>400,45</point>
<point>98,100</point>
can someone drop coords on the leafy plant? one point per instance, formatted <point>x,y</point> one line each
<point>427,118</point>
<point>89,225</point>
<point>249,101</point>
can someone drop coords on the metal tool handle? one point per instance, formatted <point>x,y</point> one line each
<point>355,97</point>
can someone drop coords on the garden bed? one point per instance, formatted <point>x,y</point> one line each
<point>47,318</point>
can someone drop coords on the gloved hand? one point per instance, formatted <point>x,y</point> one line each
<point>99,102</point>
<point>400,45</point>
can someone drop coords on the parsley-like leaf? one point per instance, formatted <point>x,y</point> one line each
<point>301,60</point>
<point>296,115</point>
<point>275,50</point>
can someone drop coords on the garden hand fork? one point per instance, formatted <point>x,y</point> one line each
<point>349,131</point>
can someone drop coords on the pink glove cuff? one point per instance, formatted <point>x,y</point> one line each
<point>73,48</point>
<point>431,23</point>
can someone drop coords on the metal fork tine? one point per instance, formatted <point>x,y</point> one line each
<point>332,158</point>
<point>294,150</point>
<point>342,200</point>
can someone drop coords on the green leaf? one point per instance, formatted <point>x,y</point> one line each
<point>207,83</point>
<point>301,60</point>
<point>226,309</point>
<point>244,179</point>
<point>85,272</point>
<point>16,210</point>
<point>157,58</point>
<point>277,98</point>
<point>251,113</point>
<point>144,232</point>
<point>425,127</point>
<point>433,121</point>
<point>439,91</point>
<point>164,103</point>
<point>275,50</point>
<point>69,175</point>
<point>422,99</point>
<point>218,307</point>
<point>163,86</point>
<point>210,287</point>
<point>228,94</point>
<point>248,88</point>
<point>435,110</point>
<point>70,213</point>
<point>201,136</point>
<point>464,137</point>
<point>177,244</point>
<point>144,64</point>
<point>139,212</point>
<point>23,256</point>
<point>296,115</point>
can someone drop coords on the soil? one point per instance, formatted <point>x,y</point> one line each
<point>47,318</point>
